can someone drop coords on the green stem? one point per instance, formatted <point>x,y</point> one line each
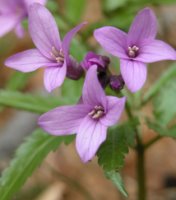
<point>140,150</point>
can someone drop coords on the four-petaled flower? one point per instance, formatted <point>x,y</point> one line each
<point>89,120</point>
<point>12,13</point>
<point>51,53</point>
<point>136,48</point>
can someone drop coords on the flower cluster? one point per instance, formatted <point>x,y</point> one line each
<point>95,112</point>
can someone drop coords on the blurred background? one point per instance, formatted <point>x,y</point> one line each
<point>62,176</point>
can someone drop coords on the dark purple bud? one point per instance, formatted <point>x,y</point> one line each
<point>103,78</point>
<point>116,82</point>
<point>94,59</point>
<point>74,69</point>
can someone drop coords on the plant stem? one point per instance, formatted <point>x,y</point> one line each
<point>141,179</point>
<point>152,141</point>
<point>140,168</point>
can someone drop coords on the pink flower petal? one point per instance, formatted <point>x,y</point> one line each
<point>63,120</point>
<point>144,26</point>
<point>19,30</point>
<point>93,93</point>
<point>7,23</point>
<point>7,5</point>
<point>54,77</point>
<point>68,37</point>
<point>134,74</point>
<point>90,136</point>
<point>155,50</point>
<point>29,2</point>
<point>27,61</point>
<point>114,110</point>
<point>43,29</point>
<point>112,40</point>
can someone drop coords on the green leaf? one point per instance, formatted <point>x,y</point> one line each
<point>164,103</point>
<point>70,94</point>
<point>112,152</point>
<point>74,9</point>
<point>29,102</point>
<point>117,180</point>
<point>28,157</point>
<point>163,131</point>
<point>156,87</point>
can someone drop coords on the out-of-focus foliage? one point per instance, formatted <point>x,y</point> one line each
<point>74,10</point>
<point>28,157</point>
<point>164,103</point>
<point>158,85</point>
<point>18,81</point>
<point>29,102</point>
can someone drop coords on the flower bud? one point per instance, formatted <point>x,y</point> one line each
<point>116,82</point>
<point>94,59</point>
<point>74,69</point>
<point>103,78</point>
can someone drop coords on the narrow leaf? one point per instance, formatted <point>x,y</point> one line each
<point>29,102</point>
<point>28,157</point>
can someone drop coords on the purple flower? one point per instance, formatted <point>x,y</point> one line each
<point>51,53</point>
<point>12,13</point>
<point>94,59</point>
<point>89,120</point>
<point>136,48</point>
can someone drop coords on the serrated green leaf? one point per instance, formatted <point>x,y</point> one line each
<point>117,180</point>
<point>74,9</point>
<point>28,157</point>
<point>164,103</point>
<point>112,152</point>
<point>163,131</point>
<point>29,102</point>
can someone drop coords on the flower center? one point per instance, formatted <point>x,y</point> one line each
<point>57,55</point>
<point>133,51</point>
<point>97,112</point>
